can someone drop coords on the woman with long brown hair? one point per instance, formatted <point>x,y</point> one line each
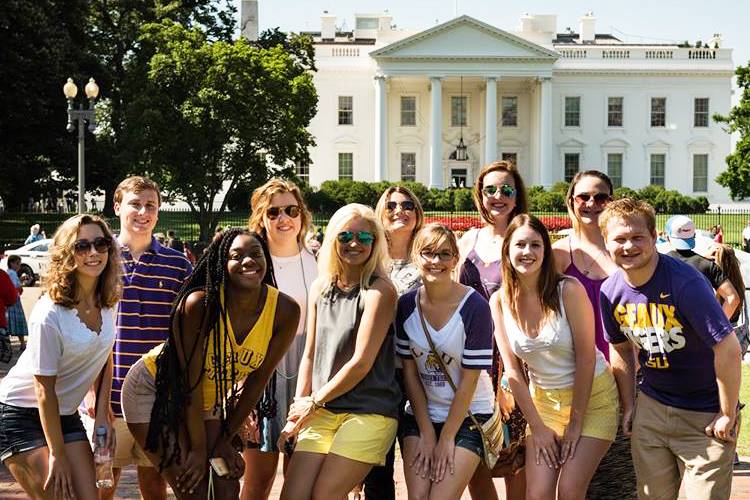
<point>72,331</point>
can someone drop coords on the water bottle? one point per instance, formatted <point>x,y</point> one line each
<point>103,460</point>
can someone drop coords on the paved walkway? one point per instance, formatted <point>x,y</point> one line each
<point>128,488</point>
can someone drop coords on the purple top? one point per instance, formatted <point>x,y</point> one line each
<point>593,287</point>
<point>484,277</point>
<point>674,320</point>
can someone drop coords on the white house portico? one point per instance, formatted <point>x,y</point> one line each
<point>399,105</point>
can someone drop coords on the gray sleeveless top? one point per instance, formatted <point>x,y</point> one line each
<point>337,321</point>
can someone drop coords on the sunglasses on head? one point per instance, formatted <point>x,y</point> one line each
<point>406,206</point>
<point>100,244</point>
<point>292,211</point>
<point>505,189</point>
<point>599,198</point>
<point>364,237</point>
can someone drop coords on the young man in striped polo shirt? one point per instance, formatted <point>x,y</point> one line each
<point>152,275</point>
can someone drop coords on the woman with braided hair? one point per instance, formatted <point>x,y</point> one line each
<point>185,400</point>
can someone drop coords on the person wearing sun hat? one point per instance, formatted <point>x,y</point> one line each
<point>680,231</point>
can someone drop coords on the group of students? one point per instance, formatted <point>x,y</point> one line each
<point>396,332</point>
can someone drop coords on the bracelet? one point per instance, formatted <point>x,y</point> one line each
<point>317,404</point>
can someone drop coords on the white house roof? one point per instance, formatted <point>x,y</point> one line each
<point>465,38</point>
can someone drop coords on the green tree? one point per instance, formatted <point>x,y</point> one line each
<point>737,175</point>
<point>218,112</point>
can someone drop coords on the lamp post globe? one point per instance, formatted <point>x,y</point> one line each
<point>70,90</point>
<point>92,89</point>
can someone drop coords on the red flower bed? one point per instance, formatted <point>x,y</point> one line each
<point>555,222</point>
<point>466,222</point>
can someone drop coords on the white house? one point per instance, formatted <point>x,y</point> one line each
<point>395,104</point>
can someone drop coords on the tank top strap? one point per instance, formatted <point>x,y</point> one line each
<point>476,239</point>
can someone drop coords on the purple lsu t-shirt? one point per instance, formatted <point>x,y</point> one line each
<point>675,320</point>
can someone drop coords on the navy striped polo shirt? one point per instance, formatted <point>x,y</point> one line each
<point>149,287</point>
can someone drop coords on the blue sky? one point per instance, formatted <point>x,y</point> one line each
<point>634,21</point>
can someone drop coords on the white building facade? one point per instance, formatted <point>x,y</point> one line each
<point>394,105</point>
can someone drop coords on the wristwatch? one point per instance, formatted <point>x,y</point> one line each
<point>317,404</point>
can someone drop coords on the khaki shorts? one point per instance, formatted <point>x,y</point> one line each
<point>669,443</point>
<point>362,437</point>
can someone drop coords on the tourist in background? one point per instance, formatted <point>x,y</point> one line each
<point>545,320</point>
<point>727,261</point>
<point>684,425</point>
<point>499,195</point>
<point>441,445</point>
<point>279,214</point>
<point>35,234</point>
<point>185,400</point>
<point>8,297</point>
<point>347,400</point>
<point>746,237</point>
<point>16,317</point>
<point>401,214</point>
<point>42,439</point>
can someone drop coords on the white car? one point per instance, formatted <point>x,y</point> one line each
<point>34,261</point>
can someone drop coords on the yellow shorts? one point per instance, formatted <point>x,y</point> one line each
<point>602,413</point>
<point>362,437</point>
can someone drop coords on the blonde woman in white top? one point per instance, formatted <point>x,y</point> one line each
<point>72,331</point>
<point>571,404</point>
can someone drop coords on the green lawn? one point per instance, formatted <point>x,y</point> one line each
<point>743,443</point>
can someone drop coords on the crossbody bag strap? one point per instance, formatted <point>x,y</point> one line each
<point>441,363</point>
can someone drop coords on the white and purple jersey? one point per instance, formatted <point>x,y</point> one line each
<point>464,342</point>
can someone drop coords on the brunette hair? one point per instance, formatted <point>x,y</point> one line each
<point>381,212</point>
<point>261,200</point>
<point>61,284</point>
<point>500,166</point>
<point>727,261</point>
<point>547,290</point>
<point>627,209</point>
<point>569,198</point>
<point>136,184</point>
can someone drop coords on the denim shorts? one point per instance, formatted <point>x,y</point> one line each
<point>467,437</point>
<point>21,430</point>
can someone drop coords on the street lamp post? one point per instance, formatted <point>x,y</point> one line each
<point>81,115</point>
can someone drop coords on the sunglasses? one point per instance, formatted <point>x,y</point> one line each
<point>506,190</point>
<point>292,211</point>
<point>100,244</point>
<point>444,256</point>
<point>406,206</point>
<point>364,237</point>
<point>599,198</point>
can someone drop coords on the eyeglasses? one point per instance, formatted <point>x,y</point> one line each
<point>599,198</point>
<point>364,237</point>
<point>443,256</point>
<point>406,206</point>
<point>292,211</point>
<point>100,244</point>
<point>505,189</point>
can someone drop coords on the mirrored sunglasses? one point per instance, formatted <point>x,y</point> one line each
<point>599,198</point>
<point>292,211</point>
<point>364,237</point>
<point>505,189</point>
<point>406,206</point>
<point>100,244</point>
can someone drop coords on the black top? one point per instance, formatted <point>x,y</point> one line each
<point>706,267</point>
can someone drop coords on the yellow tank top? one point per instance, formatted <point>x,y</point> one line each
<point>248,356</point>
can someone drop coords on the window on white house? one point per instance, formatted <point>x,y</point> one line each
<point>409,167</point>
<point>614,111</point>
<point>346,166</point>
<point>658,111</point>
<point>572,111</point>
<point>346,110</point>
<point>510,111</point>
<point>459,110</point>
<point>700,112</point>
<point>614,169</point>
<point>572,165</point>
<point>700,173</point>
<point>303,171</point>
<point>408,111</point>
<point>658,165</point>
<point>511,157</point>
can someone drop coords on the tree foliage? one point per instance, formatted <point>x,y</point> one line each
<point>217,112</point>
<point>737,175</point>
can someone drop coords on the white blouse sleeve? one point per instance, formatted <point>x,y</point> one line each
<point>45,346</point>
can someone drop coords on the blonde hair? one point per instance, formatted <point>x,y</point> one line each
<point>136,184</point>
<point>261,200</point>
<point>432,236</point>
<point>500,166</point>
<point>61,283</point>
<point>382,214</point>
<point>628,209</point>
<point>329,264</point>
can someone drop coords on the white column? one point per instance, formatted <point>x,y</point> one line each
<point>436,134</point>
<point>490,121</point>
<point>546,172</point>
<point>381,129</point>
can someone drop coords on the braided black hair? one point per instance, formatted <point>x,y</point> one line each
<point>173,387</point>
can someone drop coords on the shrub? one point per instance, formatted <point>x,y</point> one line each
<point>462,200</point>
<point>547,202</point>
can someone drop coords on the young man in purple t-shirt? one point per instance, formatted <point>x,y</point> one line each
<point>686,414</point>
